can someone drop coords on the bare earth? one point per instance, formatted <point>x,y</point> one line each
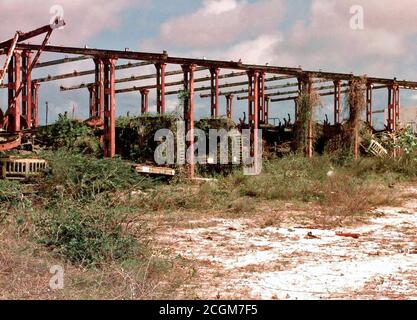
<point>240,259</point>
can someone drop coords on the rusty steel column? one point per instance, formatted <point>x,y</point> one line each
<point>99,89</point>
<point>92,101</point>
<point>266,110</point>
<point>14,73</point>
<point>214,81</point>
<point>261,98</point>
<point>397,107</point>
<point>229,105</point>
<point>27,88</point>
<point>393,107</point>
<point>337,101</point>
<point>144,105</point>
<point>369,102</point>
<point>253,106</point>
<point>109,108</point>
<point>35,104</point>
<point>306,88</point>
<point>160,87</point>
<point>189,115</point>
<point>296,100</point>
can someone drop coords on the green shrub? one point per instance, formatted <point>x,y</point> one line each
<point>69,134</point>
<point>88,235</point>
<point>135,136</point>
<point>82,177</point>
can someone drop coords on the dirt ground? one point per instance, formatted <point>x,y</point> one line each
<point>246,258</point>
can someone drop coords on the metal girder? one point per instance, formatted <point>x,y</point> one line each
<point>164,58</point>
<point>30,68</point>
<point>9,57</point>
<point>322,94</point>
<point>32,34</point>
<point>75,74</point>
<point>100,53</point>
<point>60,61</point>
<point>177,83</point>
<point>133,78</point>
<point>237,84</point>
<point>281,86</point>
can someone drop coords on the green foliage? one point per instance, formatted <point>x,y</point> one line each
<point>70,134</point>
<point>135,136</point>
<point>407,141</point>
<point>307,103</point>
<point>88,235</point>
<point>10,197</point>
<point>83,177</point>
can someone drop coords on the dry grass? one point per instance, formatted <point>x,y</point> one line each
<point>291,191</point>
<point>24,274</point>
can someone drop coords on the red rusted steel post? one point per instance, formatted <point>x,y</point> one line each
<point>189,115</point>
<point>27,88</point>
<point>13,96</point>
<point>92,100</point>
<point>144,93</point>
<point>253,105</point>
<point>35,104</point>
<point>369,104</point>
<point>306,87</point>
<point>397,108</point>
<point>229,106</point>
<point>393,107</point>
<point>160,87</point>
<point>266,114</point>
<point>99,89</point>
<point>337,101</point>
<point>109,108</point>
<point>214,74</point>
<point>261,98</point>
<point>9,57</point>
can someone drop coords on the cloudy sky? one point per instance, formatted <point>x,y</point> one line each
<point>313,34</point>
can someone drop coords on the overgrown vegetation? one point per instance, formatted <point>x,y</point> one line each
<point>135,136</point>
<point>69,134</point>
<point>355,100</point>
<point>307,102</point>
<point>94,213</point>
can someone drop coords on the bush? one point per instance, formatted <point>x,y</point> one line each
<point>69,134</point>
<point>89,236</point>
<point>135,136</point>
<point>10,196</point>
<point>83,177</point>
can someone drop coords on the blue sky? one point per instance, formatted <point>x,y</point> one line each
<point>314,34</point>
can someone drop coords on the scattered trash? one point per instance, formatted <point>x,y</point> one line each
<point>348,235</point>
<point>310,235</point>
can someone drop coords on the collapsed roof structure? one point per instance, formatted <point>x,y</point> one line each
<point>259,90</point>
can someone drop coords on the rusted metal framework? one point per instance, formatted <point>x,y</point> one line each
<point>23,91</point>
<point>160,87</point>
<point>189,114</point>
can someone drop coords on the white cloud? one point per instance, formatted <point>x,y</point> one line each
<point>219,6</point>
<point>85,18</point>
<point>219,23</point>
